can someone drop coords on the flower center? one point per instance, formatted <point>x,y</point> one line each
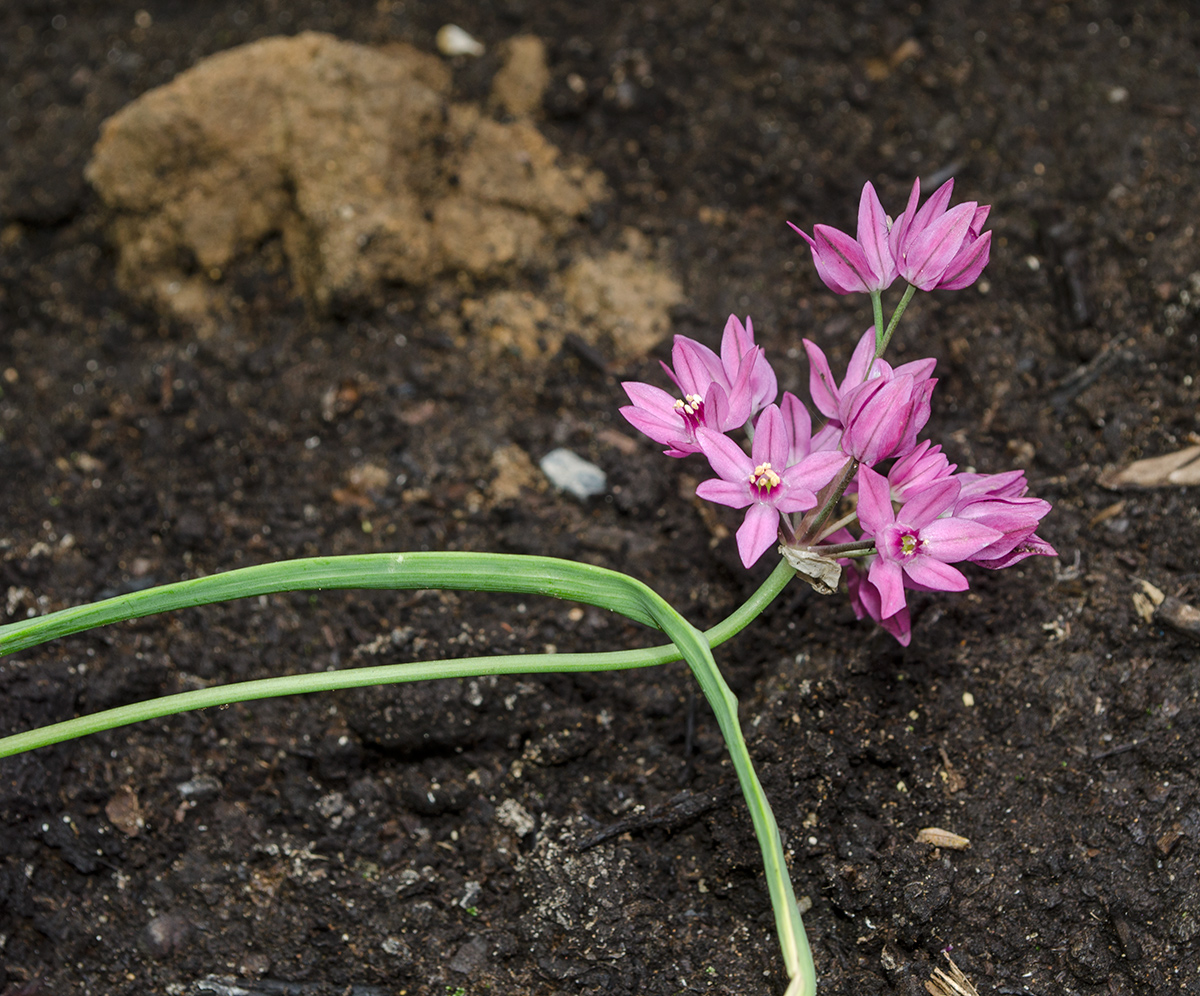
<point>910,543</point>
<point>691,409</point>
<point>764,478</point>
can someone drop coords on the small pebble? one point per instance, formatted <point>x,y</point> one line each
<point>968,699</point>
<point>572,473</point>
<point>166,933</point>
<point>453,40</point>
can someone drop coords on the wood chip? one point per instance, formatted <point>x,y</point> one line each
<point>942,838</point>
<point>1172,469</point>
<point>1179,616</point>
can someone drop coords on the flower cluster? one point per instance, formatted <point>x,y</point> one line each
<point>913,516</point>
<point>934,247</point>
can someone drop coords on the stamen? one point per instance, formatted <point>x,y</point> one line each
<point>690,407</point>
<point>909,544</point>
<point>764,478</point>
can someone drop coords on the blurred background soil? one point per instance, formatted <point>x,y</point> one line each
<point>261,320</point>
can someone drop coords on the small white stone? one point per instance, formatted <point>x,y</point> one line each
<point>569,472</point>
<point>453,40</point>
<point>968,699</point>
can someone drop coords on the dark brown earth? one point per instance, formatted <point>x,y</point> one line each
<point>372,843</point>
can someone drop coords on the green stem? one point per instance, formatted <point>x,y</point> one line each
<point>877,312</point>
<point>470,571</point>
<point>882,344</point>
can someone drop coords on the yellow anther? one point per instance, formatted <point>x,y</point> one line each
<point>764,478</point>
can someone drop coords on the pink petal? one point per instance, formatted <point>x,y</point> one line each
<point>935,207</point>
<point>798,424</point>
<point>821,384</point>
<point>888,580</point>
<point>736,341</point>
<point>844,257</point>
<point>873,237</point>
<point>927,253</point>
<point>758,532</point>
<point>816,470</point>
<point>928,504</point>
<point>695,365</point>
<point>955,540</point>
<point>1034,546</point>
<point>874,501</point>
<point>818,254</point>
<point>770,443</point>
<point>724,456</point>
<point>862,362</point>
<point>725,492</point>
<point>965,268</point>
<point>648,396</point>
<point>902,223</point>
<point>935,575</point>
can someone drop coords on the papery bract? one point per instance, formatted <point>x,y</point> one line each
<point>763,481</point>
<point>849,265</point>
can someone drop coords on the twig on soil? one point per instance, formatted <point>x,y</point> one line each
<point>680,809</point>
<point>1122,749</point>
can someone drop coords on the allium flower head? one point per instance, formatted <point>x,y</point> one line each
<point>764,480</point>
<point>848,265</point>
<point>935,247</point>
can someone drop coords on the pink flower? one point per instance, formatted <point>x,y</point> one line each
<point>1015,519</point>
<point>763,481</point>
<point>827,392</point>
<point>848,265</point>
<point>935,247</point>
<point>918,542</point>
<point>881,418</point>
<point>715,392</point>
<point>737,343</point>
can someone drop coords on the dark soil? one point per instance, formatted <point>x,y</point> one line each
<point>372,842</point>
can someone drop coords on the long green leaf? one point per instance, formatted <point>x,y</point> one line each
<point>460,571</point>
